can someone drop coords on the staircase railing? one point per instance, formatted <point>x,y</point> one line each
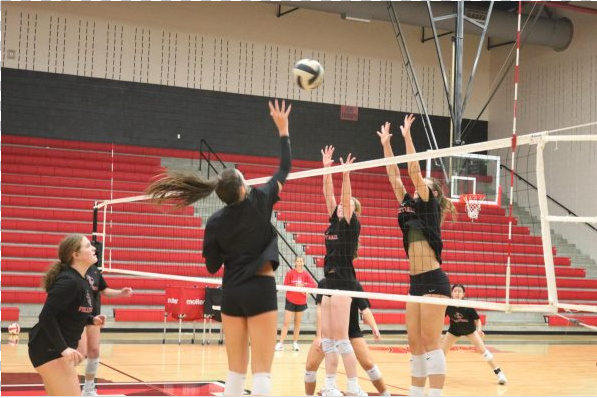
<point>570,212</point>
<point>210,152</point>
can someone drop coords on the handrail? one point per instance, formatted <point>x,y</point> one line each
<point>208,157</point>
<point>570,212</point>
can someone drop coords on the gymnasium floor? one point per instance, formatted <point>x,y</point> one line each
<point>137,364</point>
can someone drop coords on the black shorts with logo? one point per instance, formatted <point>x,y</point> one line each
<point>431,282</point>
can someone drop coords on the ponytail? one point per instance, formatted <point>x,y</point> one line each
<point>67,247</point>
<point>445,204</point>
<point>186,188</point>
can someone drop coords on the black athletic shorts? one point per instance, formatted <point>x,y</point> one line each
<point>430,282</point>
<point>295,307</point>
<point>460,331</point>
<point>253,297</point>
<point>41,355</point>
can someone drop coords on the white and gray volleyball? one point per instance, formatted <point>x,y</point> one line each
<point>308,74</point>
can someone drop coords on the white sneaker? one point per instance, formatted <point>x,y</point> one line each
<point>89,393</point>
<point>357,393</point>
<point>295,346</point>
<point>279,347</point>
<point>502,378</point>
<point>331,392</point>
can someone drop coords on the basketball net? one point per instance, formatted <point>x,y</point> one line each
<point>472,203</point>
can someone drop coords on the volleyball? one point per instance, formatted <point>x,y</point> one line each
<point>14,329</point>
<point>308,74</point>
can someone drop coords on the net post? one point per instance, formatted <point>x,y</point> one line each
<point>550,276</point>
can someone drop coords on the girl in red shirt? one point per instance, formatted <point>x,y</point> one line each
<point>296,302</point>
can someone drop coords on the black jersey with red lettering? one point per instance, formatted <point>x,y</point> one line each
<point>341,243</point>
<point>462,320</point>
<point>98,284</point>
<point>68,308</point>
<point>426,216</point>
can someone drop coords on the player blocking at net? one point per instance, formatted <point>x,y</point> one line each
<point>240,236</point>
<point>420,217</point>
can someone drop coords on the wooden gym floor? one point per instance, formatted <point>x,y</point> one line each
<point>535,365</point>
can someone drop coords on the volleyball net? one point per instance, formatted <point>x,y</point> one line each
<point>507,264</point>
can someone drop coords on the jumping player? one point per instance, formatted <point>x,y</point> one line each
<point>420,217</point>
<point>341,243</point>
<point>241,237</point>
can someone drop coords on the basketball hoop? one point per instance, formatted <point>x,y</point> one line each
<point>472,203</point>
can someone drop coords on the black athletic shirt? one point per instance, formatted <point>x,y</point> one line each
<point>426,216</point>
<point>462,319</point>
<point>356,305</point>
<point>68,308</point>
<point>341,243</point>
<point>241,236</point>
<point>98,284</point>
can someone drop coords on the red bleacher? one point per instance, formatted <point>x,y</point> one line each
<point>50,186</point>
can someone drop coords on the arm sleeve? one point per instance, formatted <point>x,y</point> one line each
<point>285,160</point>
<point>211,250</point>
<point>310,282</point>
<point>59,297</point>
<point>362,303</point>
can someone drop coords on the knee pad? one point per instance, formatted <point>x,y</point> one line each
<point>262,384</point>
<point>235,384</point>
<point>488,356</point>
<point>374,373</point>
<point>344,347</point>
<point>328,346</point>
<point>92,365</point>
<point>436,362</point>
<point>418,366</point>
<point>310,376</point>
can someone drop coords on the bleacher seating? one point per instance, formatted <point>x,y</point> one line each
<point>50,186</point>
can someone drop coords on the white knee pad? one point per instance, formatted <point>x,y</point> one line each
<point>235,384</point>
<point>436,362</point>
<point>418,366</point>
<point>374,373</point>
<point>488,356</point>
<point>92,365</point>
<point>262,384</point>
<point>328,346</point>
<point>344,347</point>
<point>310,376</point>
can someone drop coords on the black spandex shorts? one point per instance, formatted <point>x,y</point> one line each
<point>460,332</point>
<point>430,282</point>
<point>41,355</point>
<point>255,296</point>
<point>295,307</point>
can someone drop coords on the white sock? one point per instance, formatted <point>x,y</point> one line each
<point>89,384</point>
<point>330,381</point>
<point>435,392</point>
<point>415,391</point>
<point>352,384</point>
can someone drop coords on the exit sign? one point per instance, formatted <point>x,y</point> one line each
<point>349,113</point>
